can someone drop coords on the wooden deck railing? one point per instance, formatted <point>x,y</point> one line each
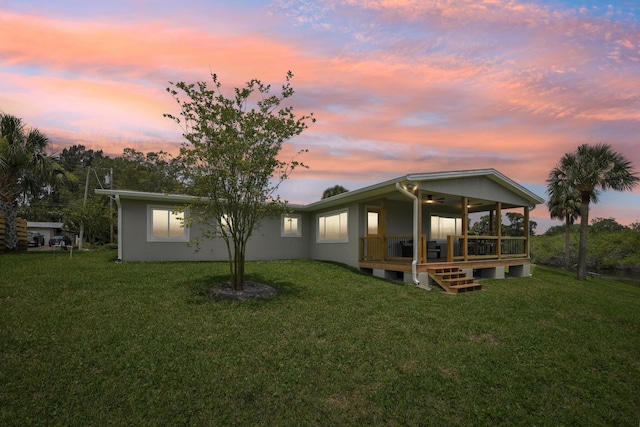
<point>390,248</point>
<point>486,247</point>
<point>400,248</point>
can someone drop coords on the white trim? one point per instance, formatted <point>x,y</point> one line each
<point>343,228</point>
<point>120,221</point>
<point>284,232</point>
<point>171,210</point>
<point>367,209</point>
<point>439,235</point>
<point>372,191</point>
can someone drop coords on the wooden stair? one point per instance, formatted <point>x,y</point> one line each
<point>453,280</point>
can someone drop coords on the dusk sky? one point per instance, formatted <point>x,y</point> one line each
<point>396,86</point>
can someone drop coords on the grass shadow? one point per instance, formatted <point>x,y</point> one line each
<point>198,288</point>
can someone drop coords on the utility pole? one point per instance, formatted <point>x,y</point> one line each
<point>84,204</point>
<point>109,181</point>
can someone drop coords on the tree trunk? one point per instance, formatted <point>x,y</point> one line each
<point>237,266</point>
<point>567,242</point>
<point>584,235</point>
<point>11,221</point>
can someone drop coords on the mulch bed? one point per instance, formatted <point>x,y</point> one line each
<point>252,290</point>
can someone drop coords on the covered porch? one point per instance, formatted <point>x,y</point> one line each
<point>442,233</point>
<point>435,219</point>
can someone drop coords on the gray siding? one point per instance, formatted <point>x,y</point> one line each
<point>266,243</point>
<point>478,187</point>
<point>347,253</point>
<point>399,217</point>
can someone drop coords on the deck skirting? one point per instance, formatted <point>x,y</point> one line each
<point>489,269</point>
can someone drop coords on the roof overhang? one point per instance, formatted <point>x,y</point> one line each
<point>422,180</point>
<point>491,174</point>
<point>149,197</point>
<point>376,191</point>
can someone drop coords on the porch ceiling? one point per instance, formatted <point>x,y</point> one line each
<point>436,199</point>
<point>447,202</point>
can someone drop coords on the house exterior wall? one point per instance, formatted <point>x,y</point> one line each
<point>478,187</point>
<point>344,252</point>
<point>46,232</point>
<point>266,243</point>
<point>47,229</point>
<point>399,217</point>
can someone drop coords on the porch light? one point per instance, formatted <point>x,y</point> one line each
<point>410,187</point>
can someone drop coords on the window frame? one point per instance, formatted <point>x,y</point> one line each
<point>171,210</point>
<point>457,226</point>
<point>338,213</point>
<point>283,228</point>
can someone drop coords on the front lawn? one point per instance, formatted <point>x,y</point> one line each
<point>87,341</point>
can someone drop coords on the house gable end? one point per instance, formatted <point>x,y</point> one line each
<point>479,187</point>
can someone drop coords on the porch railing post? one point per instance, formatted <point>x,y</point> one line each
<point>499,229</point>
<point>465,228</point>
<point>384,248</point>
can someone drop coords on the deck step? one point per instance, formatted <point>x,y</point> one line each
<point>451,276</point>
<point>468,288</point>
<point>460,281</point>
<point>453,280</point>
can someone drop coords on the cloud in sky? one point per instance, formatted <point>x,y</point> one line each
<point>397,86</point>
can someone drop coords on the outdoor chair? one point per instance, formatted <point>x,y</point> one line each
<point>406,248</point>
<point>433,249</point>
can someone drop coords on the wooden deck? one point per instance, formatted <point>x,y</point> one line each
<point>452,265</point>
<point>405,265</point>
<point>453,277</point>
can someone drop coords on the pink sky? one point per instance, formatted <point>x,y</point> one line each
<point>397,87</point>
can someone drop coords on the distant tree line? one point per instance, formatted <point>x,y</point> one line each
<point>612,247</point>
<point>513,226</point>
<point>86,170</point>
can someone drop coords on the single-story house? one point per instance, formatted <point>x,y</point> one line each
<point>412,228</point>
<point>47,229</point>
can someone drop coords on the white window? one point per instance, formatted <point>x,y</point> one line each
<point>441,227</point>
<point>165,224</point>
<point>373,221</point>
<point>333,227</point>
<point>291,225</point>
<point>225,223</point>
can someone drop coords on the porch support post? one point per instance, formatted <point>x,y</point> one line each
<point>526,231</point>
<point>499,229</point>
<point>465,228</point>
<point>492,225</point>
<point>421,252</point>
<point>383,227</point>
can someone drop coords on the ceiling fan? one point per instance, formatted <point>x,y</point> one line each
<point>430,199</point>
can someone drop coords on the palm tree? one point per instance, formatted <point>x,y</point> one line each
<point>563,204</point>
<point>588,170</point>
<point>25,167</point>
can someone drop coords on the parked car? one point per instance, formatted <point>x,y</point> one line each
<point>34,238</point>
<point>59,240</point>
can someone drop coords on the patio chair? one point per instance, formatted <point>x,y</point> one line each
<point>406,248</point>
<point>433,249</point>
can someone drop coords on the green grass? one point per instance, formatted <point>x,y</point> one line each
<point>87,341</point>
